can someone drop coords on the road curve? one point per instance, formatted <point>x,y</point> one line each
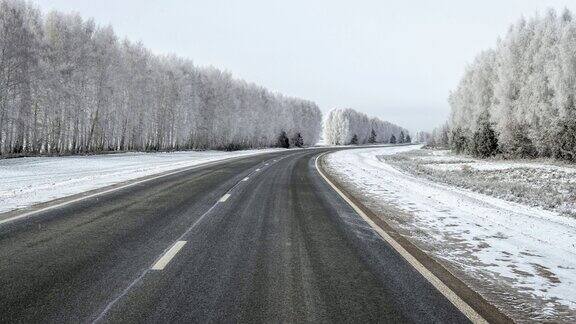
<point>258,239</point>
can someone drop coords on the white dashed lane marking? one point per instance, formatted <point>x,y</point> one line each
<point>165,259</point>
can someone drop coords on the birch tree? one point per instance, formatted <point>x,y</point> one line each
<point>524,88</point>
<point>341,125</point>
<point>68,85</point>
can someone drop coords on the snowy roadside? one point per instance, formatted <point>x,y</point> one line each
<point>28,181</point>
<point>539,183</point>
<point>521,258</point>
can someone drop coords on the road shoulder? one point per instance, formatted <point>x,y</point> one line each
<point>480,309</point>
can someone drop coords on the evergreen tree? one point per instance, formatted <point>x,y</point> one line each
<point>283,140</point>
<point>484,141</point>
<point>372,138</point>
<point>520,144</point>
<point>297,140</point>
<point>392,139</point>
<point>444,137</point>
<point>459,141</point>
<point>402,138</point>
<point>408,138</point>
<point>566,141</point>
<point>354,140</point>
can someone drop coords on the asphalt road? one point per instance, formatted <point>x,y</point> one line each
<point>262,239</point>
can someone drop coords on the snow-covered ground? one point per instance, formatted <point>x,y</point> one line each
<point>520,257</point>
<point>28,181</point>
<point>539,183</point>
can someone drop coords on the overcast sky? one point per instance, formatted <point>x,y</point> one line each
<point>397,60</point>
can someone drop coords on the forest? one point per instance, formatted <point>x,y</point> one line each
<point>518,99</point>
<point>69,86</point>
<point>348,126</point>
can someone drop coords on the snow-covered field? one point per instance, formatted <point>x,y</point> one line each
<point>539,183</point>
<point>520,257</point>
<point>28,181</point>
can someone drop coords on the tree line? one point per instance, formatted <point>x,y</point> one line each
<point>348,126</point>
<point>518,99</point>
<point>70,86</point>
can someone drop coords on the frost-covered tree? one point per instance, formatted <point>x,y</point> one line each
<point>392,139</point>
<point>70,86</point>
<point>440,137</point>
<point>459,140</point>
<point>527,85</point>
<point>342,124</point>
<point>484,142</point>
<point>423,137</point>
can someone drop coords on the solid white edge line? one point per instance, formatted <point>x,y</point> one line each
<point>96,194</point>
<point>224,198</point>
<point>169,255</point>
<point>427,274</point>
